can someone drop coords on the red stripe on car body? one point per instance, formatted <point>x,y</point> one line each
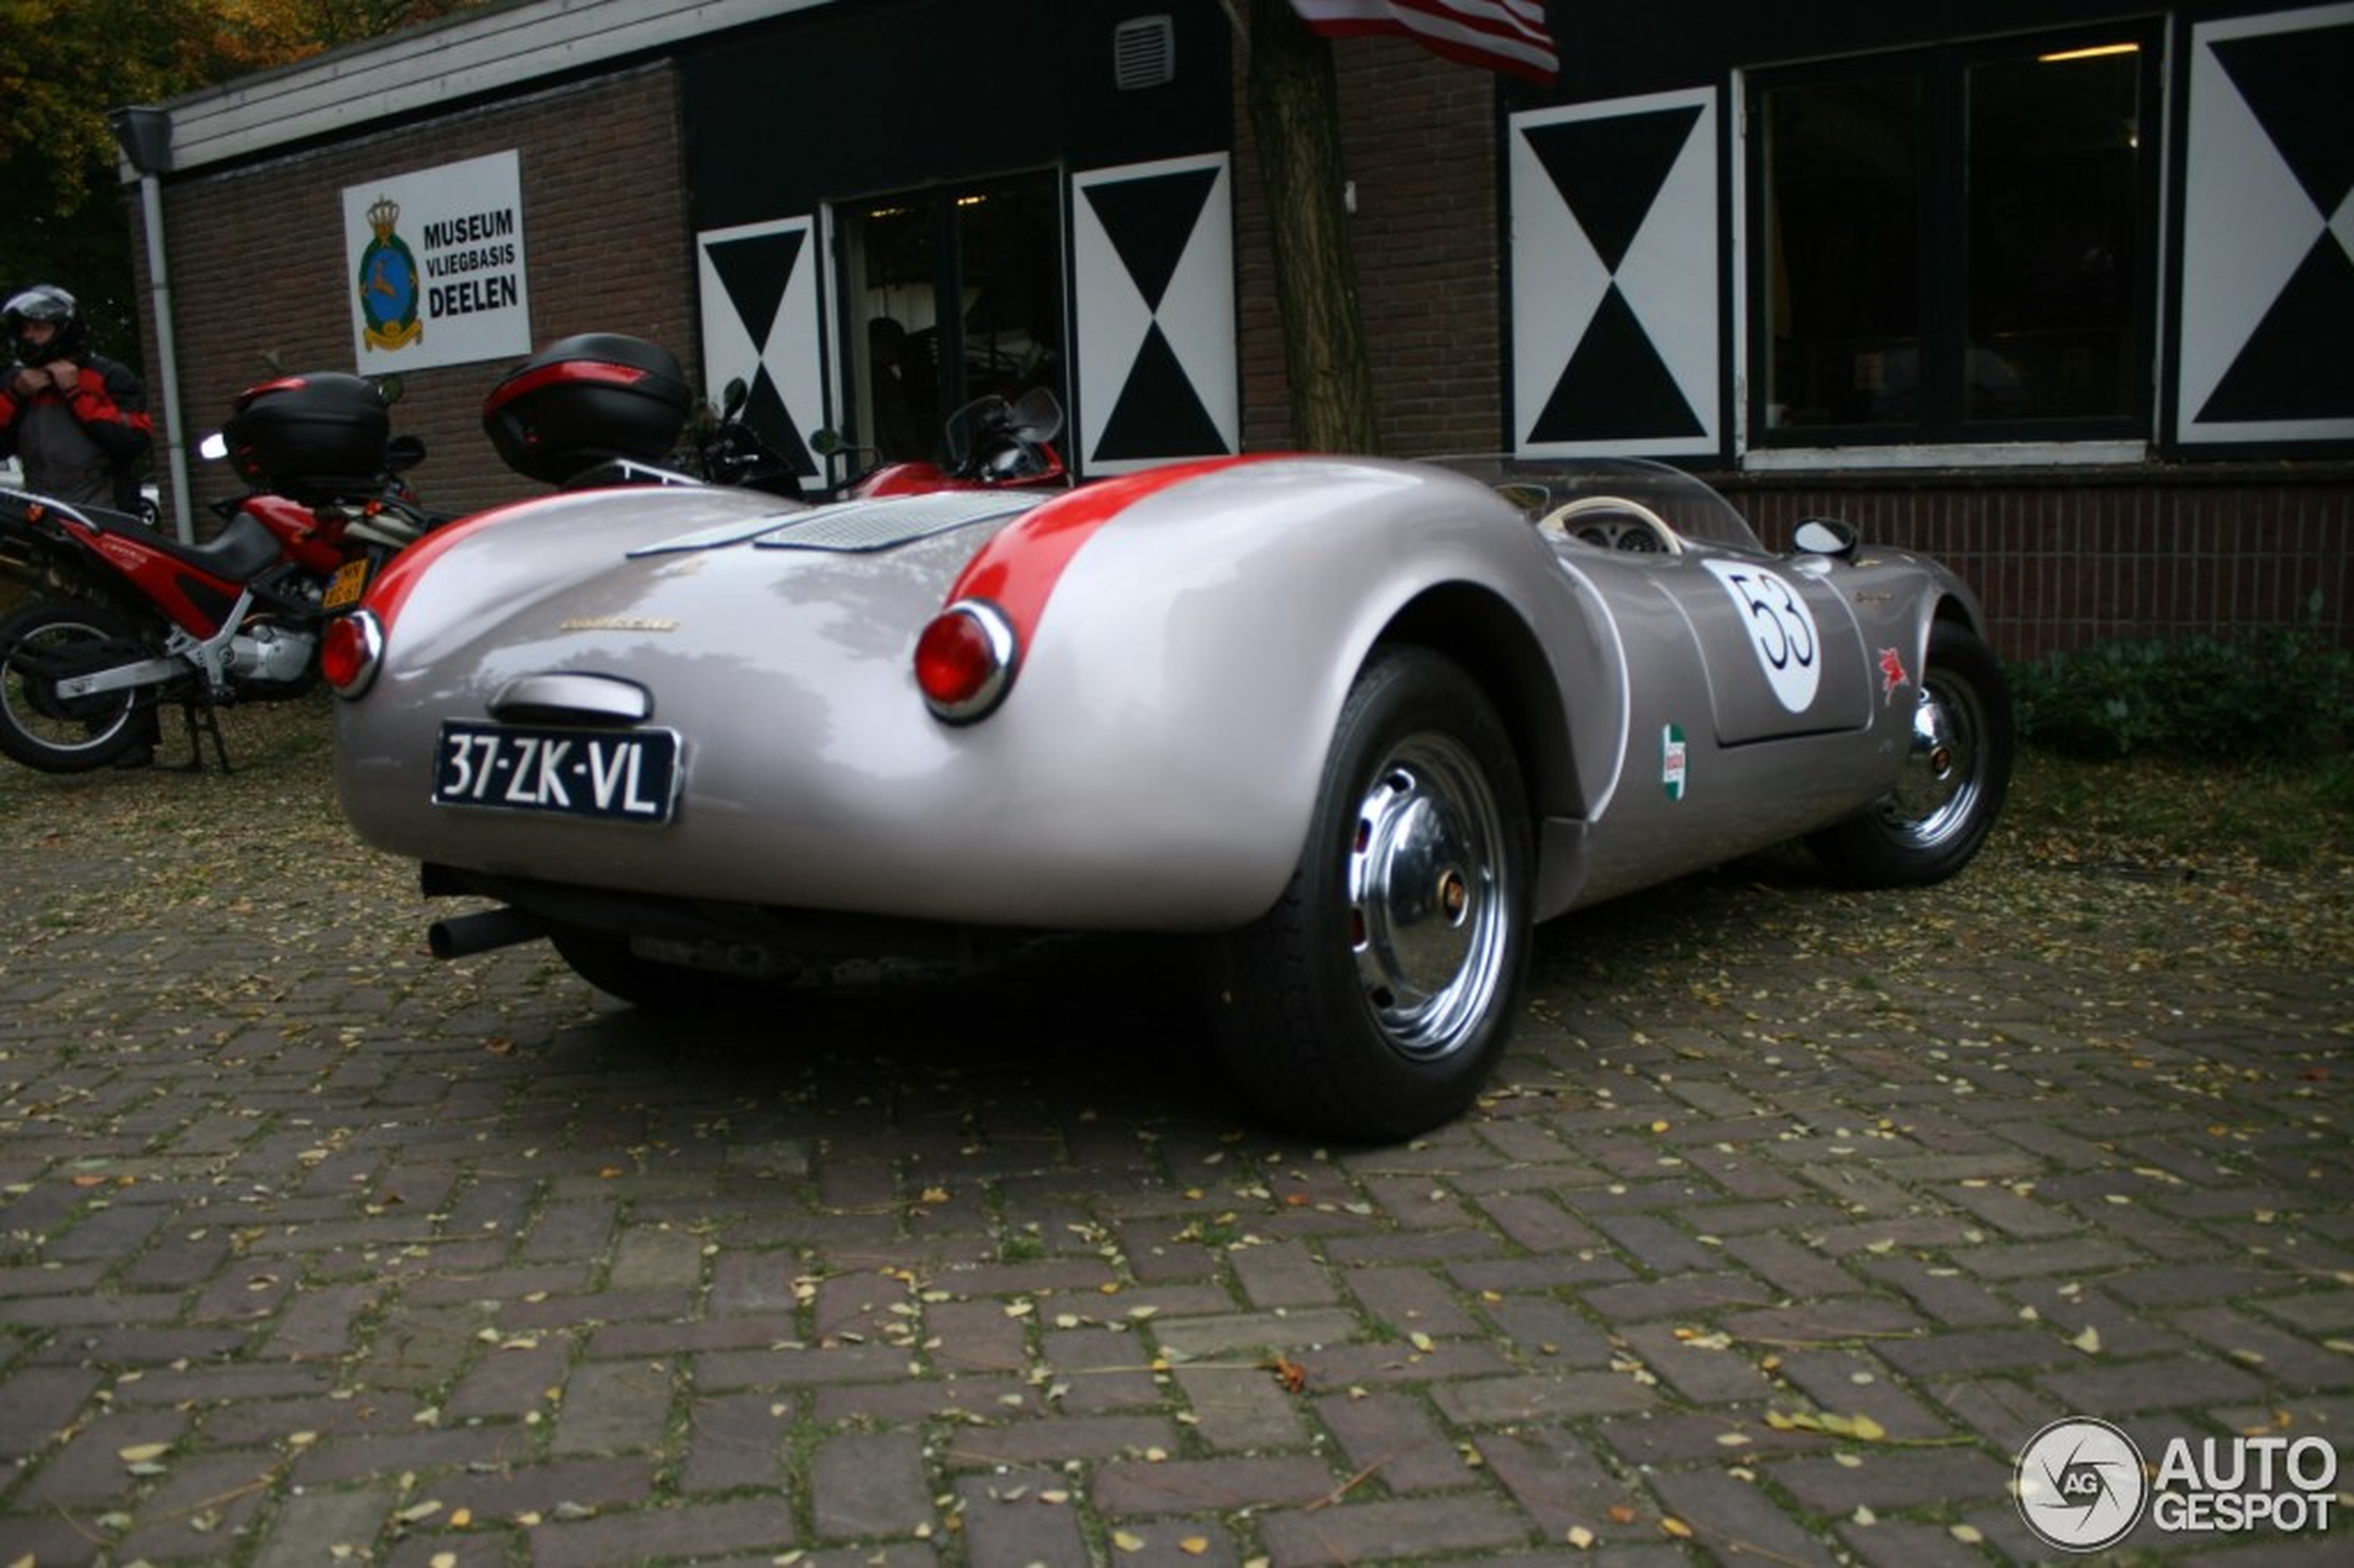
<point>1018,569</point>
<point>393,585</point>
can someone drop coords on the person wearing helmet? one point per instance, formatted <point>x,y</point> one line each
<point>78,421</point>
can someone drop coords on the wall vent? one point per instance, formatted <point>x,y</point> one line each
<point>1143,53</point>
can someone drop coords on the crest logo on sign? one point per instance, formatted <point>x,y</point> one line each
<point>388,281</point>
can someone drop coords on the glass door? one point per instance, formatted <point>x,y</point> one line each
<point>950,293</point>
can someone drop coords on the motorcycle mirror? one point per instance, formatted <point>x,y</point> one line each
<point>733,398</point>
<point>403,453</point>
<point>1037,416</point>
<point>213,448</point>
<point>825,441</point>
<point>389,388</point>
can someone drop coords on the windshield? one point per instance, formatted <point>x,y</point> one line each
<point>1540,487</point>
<point>1030,419</point>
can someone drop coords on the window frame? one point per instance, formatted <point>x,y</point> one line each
<point>1941,432</point>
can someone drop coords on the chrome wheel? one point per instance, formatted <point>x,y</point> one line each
<point>1937,794</point>
<point>1427,917</point>
<point>1376,998</point>
<point>1948,788</point>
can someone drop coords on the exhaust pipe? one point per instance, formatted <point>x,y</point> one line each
<point>461,936</point>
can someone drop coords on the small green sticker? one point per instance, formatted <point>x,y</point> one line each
<point>1671,758</point>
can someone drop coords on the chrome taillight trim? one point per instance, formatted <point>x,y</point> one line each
<point>1004,653</point>
<point>372,640</point>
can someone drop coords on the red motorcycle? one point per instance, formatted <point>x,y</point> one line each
<point>139,619</point>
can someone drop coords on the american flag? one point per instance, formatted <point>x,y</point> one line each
<point>1499,34</point>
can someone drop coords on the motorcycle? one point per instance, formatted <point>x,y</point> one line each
<point>721,448</point>
<point>992,442</point>
<point>601,409</point>
<point>137,619</point>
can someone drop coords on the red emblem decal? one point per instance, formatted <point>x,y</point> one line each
<point>1891,673</point>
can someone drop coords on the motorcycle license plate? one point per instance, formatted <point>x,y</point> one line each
<point>608,775</point>
<point>346,587</point>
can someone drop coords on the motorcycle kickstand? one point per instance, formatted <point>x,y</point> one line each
<point>198,728</point>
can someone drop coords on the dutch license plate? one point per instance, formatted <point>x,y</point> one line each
<point>346,587</point>
<point>610,775</point>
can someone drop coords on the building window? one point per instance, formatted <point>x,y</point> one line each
<point>1956,245</point>
<point>955,292</point>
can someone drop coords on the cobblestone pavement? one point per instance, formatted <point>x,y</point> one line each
<point>1793,1216</point>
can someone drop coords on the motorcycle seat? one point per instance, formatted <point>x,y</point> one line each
<point>242,550</point>
<point>112,521</point>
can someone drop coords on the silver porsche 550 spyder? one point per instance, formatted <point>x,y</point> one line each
<point>1352,726</point>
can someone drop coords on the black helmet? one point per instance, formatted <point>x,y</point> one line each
<point>45,302</point>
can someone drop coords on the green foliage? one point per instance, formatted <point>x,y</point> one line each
<point>2272,694</point>
<point>64,63</point>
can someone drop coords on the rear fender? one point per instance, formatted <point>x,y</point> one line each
<point>1197,650</point>
<point>1491,639</point>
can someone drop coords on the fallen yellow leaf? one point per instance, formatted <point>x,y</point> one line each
<point>1863,1428</point>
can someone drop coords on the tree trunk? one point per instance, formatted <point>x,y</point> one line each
<point>1295,117</point>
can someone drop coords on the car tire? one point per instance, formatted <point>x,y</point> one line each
<point>1953,779</point>
<point>38,727</point>
<point>1375,999</point>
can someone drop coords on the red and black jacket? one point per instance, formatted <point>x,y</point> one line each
<point>109,406</point>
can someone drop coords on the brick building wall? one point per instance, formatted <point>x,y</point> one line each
<point>1418,143</point>
<point>2068,559</point>
<point>258,268</point>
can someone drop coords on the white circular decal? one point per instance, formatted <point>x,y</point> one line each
<point>1781,630</point>
<point>2081,1485</point>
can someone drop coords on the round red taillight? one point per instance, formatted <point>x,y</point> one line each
<point>964,661</point>
<point>350,651</point>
